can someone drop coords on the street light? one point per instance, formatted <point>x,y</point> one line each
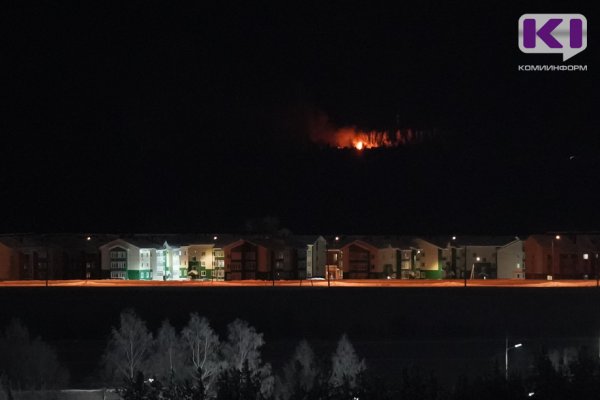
<point>506,349</point>
<point>586,257</point>
<point>557,237</point>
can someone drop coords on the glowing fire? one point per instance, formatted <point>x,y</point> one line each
<point>324,131</point>
<point>354,138</point>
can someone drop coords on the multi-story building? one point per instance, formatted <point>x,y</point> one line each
<point>360,260</point>
<point>431,258</point>
<point>316,257</point>
<point>246,260</point>
<point>396,257</point>
<point>167,266</point>
<point>334,264</point>
<point>134,258</point>
<point>200,260</point>
<point>9,267</point>
<point>260,258</point>
<point>511,260</point>
<point>212,257</point>
<point>52,256</point>
<point>476,257</point>
<point>561,256</point>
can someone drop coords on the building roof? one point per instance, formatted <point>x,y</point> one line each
<point>397,242</point>
<point>474,240</point>
<point>569,242</point>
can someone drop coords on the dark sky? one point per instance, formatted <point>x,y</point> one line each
<point>146,117</point>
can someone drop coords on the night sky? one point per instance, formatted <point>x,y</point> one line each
<point>161,118</point>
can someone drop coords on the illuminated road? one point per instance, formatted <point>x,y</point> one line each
<point>309,283</point>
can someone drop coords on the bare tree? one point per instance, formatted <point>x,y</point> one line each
<point>346,366</point>
<point>243,344</point>
<point>203,346</point>
<point>128,346</point>
<point>300,372</point>
<point>166,360</point>
<point>242,351</point>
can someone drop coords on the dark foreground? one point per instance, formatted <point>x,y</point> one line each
<point>448,330</point>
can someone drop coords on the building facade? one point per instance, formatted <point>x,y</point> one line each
<point>123,259</point>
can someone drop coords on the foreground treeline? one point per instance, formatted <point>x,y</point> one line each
<point>28,363</point>
<point>196,363</point>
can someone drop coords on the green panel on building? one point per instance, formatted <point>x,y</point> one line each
<point>139,275</point>
<point>134,275</point>
<point>205,273</point>
<point>432,274</point>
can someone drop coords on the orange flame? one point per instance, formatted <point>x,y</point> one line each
<point>325,132</point>
<point>350,137</point>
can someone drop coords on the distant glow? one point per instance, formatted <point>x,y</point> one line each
<point>478,259</point>
<point>88,238</point>
<point>215,237</point>
<point>518,345</point>
<point>557,237</point>
<point>353,137</point>
<point>337,238</point>
<point>418,251</point>
<point>586,256</point>
<point>530,394</point>
<point>453,237</point>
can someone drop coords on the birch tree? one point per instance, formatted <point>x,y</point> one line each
<point>345,365</point>
<point>128,345</point>
<point>203,347</point>
<point>300,372</point>
<point>243,344</point>
<point>166,361</point>
<point>242,352</point>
